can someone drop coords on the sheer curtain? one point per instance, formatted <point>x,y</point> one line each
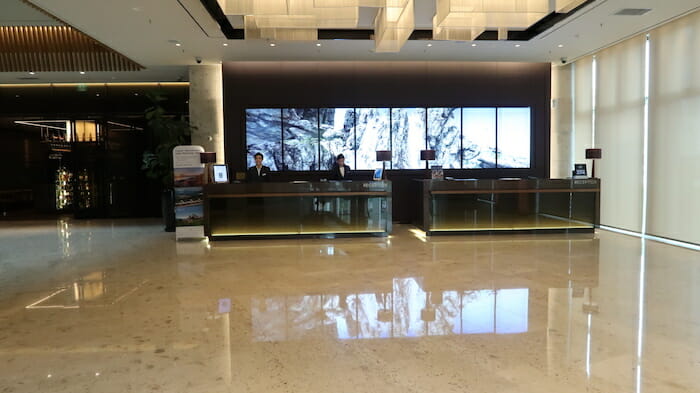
<point>619,132</point>
<point>583,109</point>
<point>674,131</point>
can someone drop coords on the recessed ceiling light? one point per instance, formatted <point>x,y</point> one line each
<point>273,44</point>
<point>178,44</point>
<point>473,44</point>
<point>31,72</point>
<point>318,44</point>
<point>517,45</point>
<point>429,45</point>
<point>225,43</point>
<point>97,94</point>
<point>136,94</point>
<point>82,72</point>
<point>560,45</point>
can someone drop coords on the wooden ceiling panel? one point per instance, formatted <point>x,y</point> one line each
<point>57,49</point>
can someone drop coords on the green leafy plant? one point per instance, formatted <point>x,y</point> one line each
<point>168,132</point>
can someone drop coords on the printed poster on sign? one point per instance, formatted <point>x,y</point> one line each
<point>188,173</point>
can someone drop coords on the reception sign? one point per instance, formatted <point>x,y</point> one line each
<point>188,174</point>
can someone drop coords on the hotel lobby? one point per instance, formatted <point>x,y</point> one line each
<point>349,195</point>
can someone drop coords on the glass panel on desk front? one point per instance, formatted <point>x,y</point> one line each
<point>298,215</point>
<point>512,211</point>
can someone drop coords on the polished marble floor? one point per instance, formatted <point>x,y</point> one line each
<point>118,306</point>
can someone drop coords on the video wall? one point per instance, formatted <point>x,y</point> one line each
<point>308,139</point>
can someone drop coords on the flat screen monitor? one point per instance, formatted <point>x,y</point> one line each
<point>220,174</point>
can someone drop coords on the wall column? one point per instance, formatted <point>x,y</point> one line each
<point>207,108</point>
<point>562,136</point>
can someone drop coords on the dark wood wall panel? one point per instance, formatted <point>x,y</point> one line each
<point>388,84</point>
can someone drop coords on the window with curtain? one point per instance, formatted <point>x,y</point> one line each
<point>619,132</point>
<point>583,109</point>
<point>674,131</point>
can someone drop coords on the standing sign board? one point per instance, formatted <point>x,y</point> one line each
<point>188,172</point>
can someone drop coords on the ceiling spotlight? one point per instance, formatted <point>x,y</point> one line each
<point>429,45</point>
<point>318,44</point>
<point>136,94</point>
<point>517,45</point>
<point>178,44</point>
<point>82,72</point>
<point>225,43</point>
<point>561,45</point>
<point>273,44</point>
<point>31,72</point>
<point>97,94</point>
<point>473,44</point>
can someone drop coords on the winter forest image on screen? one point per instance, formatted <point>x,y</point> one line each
<point>309,139</point>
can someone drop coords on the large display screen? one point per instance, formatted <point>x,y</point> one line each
<point>444,136</point>
<point>479,138</point>
<point>309,139</point>
<point>372,133</point>
<point>408,135</point>
<point>513,138</point>
<point>264,135</point>
<point>337,127</point>
<point>300,151</point>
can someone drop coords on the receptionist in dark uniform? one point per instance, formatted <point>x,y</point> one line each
<point>340,171</point>
<point>258,173</point>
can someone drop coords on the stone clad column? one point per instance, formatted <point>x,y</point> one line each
<point>207,108</point>
<point>562,135</point>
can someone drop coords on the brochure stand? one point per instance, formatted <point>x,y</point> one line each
<point>188,174</point>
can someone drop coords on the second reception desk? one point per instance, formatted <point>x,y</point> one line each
<point>304,208</point>
<point>509,205</point>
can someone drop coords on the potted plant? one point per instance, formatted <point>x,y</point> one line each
<point>167,132</point>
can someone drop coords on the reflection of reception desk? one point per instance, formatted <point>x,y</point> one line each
<point>303,208</point>
<point>509,205</point>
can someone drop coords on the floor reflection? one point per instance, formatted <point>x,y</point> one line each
<point>114,308</point>
<point>407,311</point>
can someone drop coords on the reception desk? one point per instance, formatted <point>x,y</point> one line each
<point>297,208</point>
<point>489,205</point>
